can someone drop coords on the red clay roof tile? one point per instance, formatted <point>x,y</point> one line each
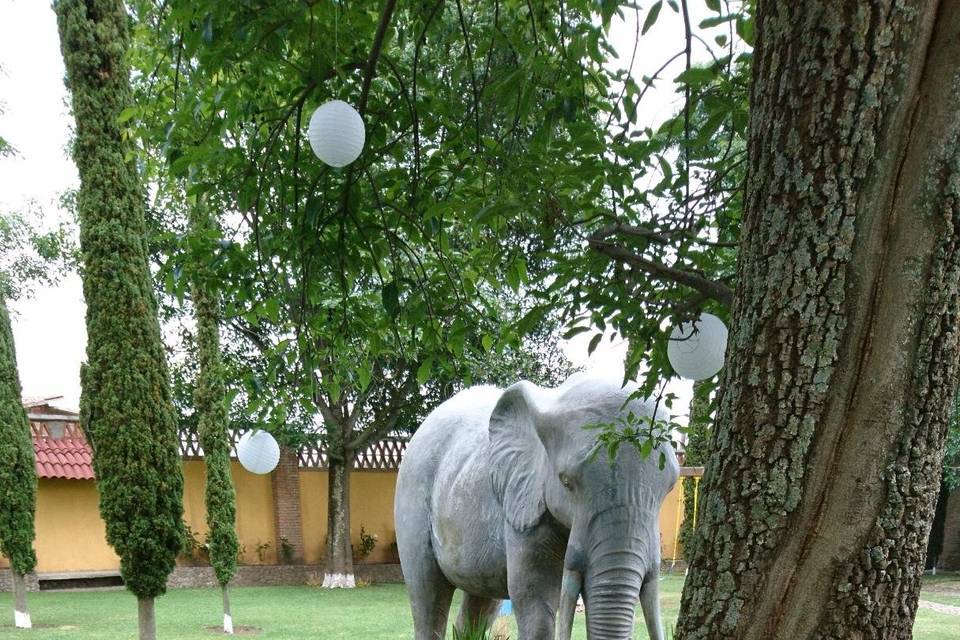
<point>69,457</point>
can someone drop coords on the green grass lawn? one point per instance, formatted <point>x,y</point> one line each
<point>376,612</point>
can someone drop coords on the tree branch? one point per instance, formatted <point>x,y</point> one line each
<point>375,49</point>
<point>709,288</point>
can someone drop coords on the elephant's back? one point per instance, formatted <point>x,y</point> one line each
<point>465,416</point>
<point>447,465</point>
<point>442,441</point>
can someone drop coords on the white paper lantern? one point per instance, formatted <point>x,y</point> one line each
<point>258,452</point>
<point>336,133</point>
<point>696,349</point>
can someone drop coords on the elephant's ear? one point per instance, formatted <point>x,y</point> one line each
<point>518,461</point>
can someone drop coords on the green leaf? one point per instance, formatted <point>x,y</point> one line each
<point>651,16</point>
<point>423,371</point>
<point>594,341</point>
<point>575,332</point>
<point>363,376</point>
<point>487,342</point>
<point>716,20</point>
<point>126,114</point>
<point>646,448</point>
<point>390,296</point>
<point>698,76</point>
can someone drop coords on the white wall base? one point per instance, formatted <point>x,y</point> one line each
<point>21,620</point>
<point>339,581</point>
<point>227,623</point>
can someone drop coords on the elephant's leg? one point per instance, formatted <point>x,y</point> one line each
<point>429,590</point>
<point>534,574</point>
<point>430,597</point>
<point>477,612</point>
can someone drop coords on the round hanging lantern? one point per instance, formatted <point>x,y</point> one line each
<point>696,349</point>
<point>336,133</point>
<point>258,452</point>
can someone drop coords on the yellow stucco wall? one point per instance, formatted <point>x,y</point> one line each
<point>70,533</point>
<point>255,525</point>
<point>371,507</point>
<point>669,523</point>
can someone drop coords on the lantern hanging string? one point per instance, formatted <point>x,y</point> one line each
<point>336,44</point>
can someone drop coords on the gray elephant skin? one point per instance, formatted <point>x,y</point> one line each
<point>498,496</point>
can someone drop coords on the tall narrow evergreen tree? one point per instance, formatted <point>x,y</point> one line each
<point>211,407</point>
<point>18,475</point>
<point>695,455</point>
<point>125,406</point>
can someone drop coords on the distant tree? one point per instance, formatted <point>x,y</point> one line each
<point>125,406</point>
<point>353,288</point>
<point>695,450</point>
<point>31,256</point>
<point>210,403</point>
<point>18,476</point>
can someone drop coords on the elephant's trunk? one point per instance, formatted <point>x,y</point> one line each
<point>611,595</point>
<point>617,566</point>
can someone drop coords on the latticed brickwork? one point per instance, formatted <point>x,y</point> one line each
<point>383,455</point>
<point>286,508</point>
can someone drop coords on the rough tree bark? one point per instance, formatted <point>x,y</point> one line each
<point>825,457</point>
<point>338,572</point>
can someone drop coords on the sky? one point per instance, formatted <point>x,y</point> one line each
<point>49,327</point>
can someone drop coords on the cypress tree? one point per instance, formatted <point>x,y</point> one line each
<point>18,475</point>
<point>211,407</point>
<point>695,455</point>
<point>125,406</point>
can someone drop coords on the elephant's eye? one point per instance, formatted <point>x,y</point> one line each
<point>564,480</point>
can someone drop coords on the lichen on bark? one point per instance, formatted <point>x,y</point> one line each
<point>830,421</point>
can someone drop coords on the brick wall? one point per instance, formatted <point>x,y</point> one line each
<point>6,581</point>
<point>286,506</point>
<point>271,575</point>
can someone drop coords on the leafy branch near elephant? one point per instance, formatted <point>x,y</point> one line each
<point>501,494</point>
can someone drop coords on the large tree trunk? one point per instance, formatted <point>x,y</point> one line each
<point>843,352</point>
<point>338,572</point>
<point>147,619</point>
<point>21,615</point>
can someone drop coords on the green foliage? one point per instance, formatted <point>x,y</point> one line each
<point>18,476</point>
<point>29,256</point>
<point>643,229</point>
<point>368,542</point>
<point>696,451</point>
<point>346,290</point>
<point>126,408</point>
<point>210,401</point>
<point>472,631</point>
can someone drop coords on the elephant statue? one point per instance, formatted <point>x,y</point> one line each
<point>498,496</point>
